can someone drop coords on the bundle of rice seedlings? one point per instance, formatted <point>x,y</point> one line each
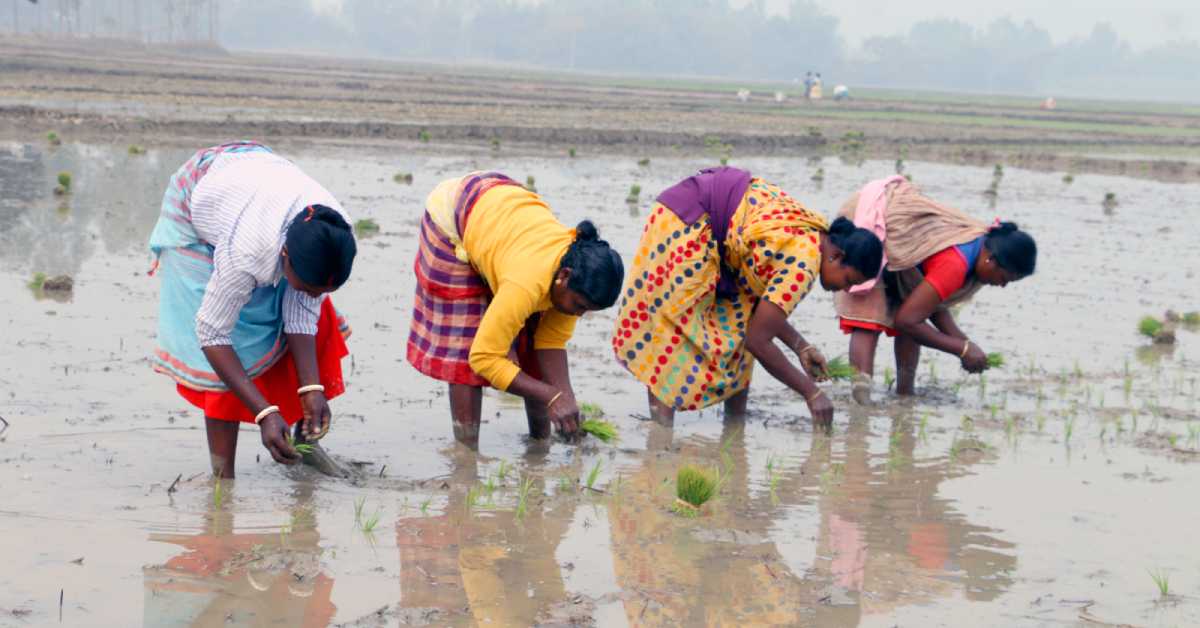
<point>366,227</point>
<point>1149,326</point>
<point>839,368</point>
<point>1191,318</point>
<point>599,428</point>
<point>995,360</point>
<point>301,448</point>
<point>693,488</point>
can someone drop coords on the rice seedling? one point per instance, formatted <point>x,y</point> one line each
<point>358,508</point>
<point>1149,326</point>
<point>369,524</point>
<point>995,360</point>
<point>424,507</point>
<point>495,143</point>
<point>900,166</point>
<point>635,191</point>
<point>39,280</point>
<point>1172,439</point>
<point>284,532</point>
<point>590,482</point>
<point>473,495</point>
<point>922,426</point>
<point>423,135</point>
<point>489,485</point>
<point>772,478</point>
<point>301,448</point>
<point>571,152</point>
<point>605,431</point>
<point>1191,318</point>
<point>1078,371</point>
<point>1068,428</point>
<point>644,162</point>
<point>1110,200</point>
<point>590,410</point>
<point>1068,178</point>
<point>531,184</point>
<point>523,496</point>
<point>218,493</point>
<point>1162,581</point>
<point>502,470</point>
<point>53,139</point>
<point>998,172</point>
<point>64,183</point>
<point>136,150</point>
<point>933,378</point>
<point>889,378</point>
<point>819,175</point>
<point>723,451</point>
<point>405,178</point>
<point>693,488</point>
<point>831,476</point>
<point>724,161</point>
<point>839,368</point>
<point>565,483</point>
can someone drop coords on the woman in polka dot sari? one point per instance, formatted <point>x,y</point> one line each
<point>723,260</point>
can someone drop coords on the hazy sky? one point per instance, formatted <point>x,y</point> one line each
<point>1142,23</point>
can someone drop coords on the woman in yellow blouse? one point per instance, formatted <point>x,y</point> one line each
<point>500,284</point>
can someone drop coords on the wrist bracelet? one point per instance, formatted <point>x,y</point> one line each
<point>814,395</point>
<point>966,347</point>
<point>264,413</point>
<point>553,399</point>
<point>310,388</point>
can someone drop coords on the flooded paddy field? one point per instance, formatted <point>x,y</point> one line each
<point>1052,492</point>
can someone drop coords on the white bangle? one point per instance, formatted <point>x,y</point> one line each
<point>310,388</point>
<point>266,412</point>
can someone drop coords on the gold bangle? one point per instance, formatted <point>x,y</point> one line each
<point>966,347</point>
<point>553,399</point>
<point>310,388</point>
<point>814,395</point>
<point>807,348</point>
<point>264,413</point>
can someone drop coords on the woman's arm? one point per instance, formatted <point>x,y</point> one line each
<point>228,367</point>
<point>944,321</point>
<point>912,319</point>
<point>768,323</point>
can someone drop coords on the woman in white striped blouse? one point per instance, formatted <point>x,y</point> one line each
<point>248,246</point>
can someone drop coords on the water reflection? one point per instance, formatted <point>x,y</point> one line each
<point>226,578</point>
<point>112,203</point>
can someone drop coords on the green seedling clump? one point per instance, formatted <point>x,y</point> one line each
<point>590,410</point>
<point>819,175</point>
<point>134,149</point>
<point>635,191</point>
<point>366,227</point>
<point>599,428</point>
<point>571,152</point>
<point>531,184</point>
<point>1191,318</point>
<point>64,184</point>
<point>53,138</point>
<point>1149,326</point>
<point>302,448</point>
<point>644,162</point>
<point>839,368</point>
<point>995,360</point>
<point>403,177</point>
<point>693,488</point>
<point>39,280</point>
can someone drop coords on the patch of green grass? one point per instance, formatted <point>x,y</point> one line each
<point>1149,326</point>
<point>839,368</point>
<point>590,482</point>
<point>601,429</point>
<point>366,227</point>
<point>694,487</point>
<point>1162,581</point>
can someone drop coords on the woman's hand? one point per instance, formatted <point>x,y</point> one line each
<point>975,360</point>
<point>814,363</point>
<point>821,408</point>
<point>564,413</point>
<point>274,437</point>
<point>317,416</point>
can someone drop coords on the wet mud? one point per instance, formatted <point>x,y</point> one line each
<point>1045,493</point>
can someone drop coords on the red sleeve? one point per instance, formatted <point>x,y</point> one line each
<point>946,271</point>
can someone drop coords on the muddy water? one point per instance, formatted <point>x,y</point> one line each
<point>1044,494</point>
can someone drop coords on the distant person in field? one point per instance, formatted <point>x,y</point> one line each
<point>815,91</point>
<point>500,285</point>
<point>248,247</point>
<point>935,256</point>
<point>841,92</point>
<point>808,84</point>
<point>725,257</point>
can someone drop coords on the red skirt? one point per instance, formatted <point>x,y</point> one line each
<point>849,326</point>
<point>280,382</point>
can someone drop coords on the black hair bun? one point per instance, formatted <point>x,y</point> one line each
<point>842,227</point>
<point>586,231</point>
